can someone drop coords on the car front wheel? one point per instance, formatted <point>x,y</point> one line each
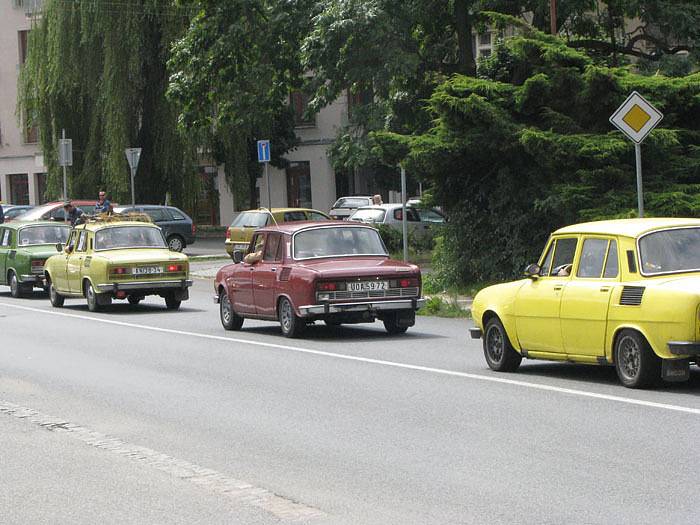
<point>229,319</point>
<point>636,364</point>
<point>499,353</point>
<point>291,324</point>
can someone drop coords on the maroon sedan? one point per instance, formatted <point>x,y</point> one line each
<point>298,273</point>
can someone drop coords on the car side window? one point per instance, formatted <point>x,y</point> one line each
<point>411,215</point>
<point>4,237</point>
<point>256,244</point>
<point>547,263</point>
<point>82,242</point>
<point>71,241</point>
<point>430,216</point>
<point>271,247</point>
<point>564,252</point>
<point>281,247</point>
<point>315,216</point>
<point>611,263</point>
<point>177,216</point>
<point>157,214</point>
<point>291,216</point>
<point>592,259</point>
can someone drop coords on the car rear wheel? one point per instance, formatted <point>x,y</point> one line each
<point>229,319</point>
<point>392,326</point>
<point>16,289</point>
<point>171,302</point>
<point>636,364</point>
<point>93,301</point>
<point>56,299</point>
<point>291,324</point>
<point>499,353</point>
<point>176,243</point>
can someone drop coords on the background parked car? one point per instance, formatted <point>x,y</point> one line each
<point>12,211</point>
<point>239,234</point>
<point>345,206</point>
<point>178,228</point>
<point>419,220</point>
<point>53,211</point>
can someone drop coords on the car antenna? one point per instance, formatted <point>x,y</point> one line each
<point>272,216</point>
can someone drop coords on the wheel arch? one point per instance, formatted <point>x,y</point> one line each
<point>490,313</point>
<point>281,296</point>
<point>85,280</point>
<point>610,348</point>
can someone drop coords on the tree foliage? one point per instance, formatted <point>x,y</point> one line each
<point>527,147</point>
<point>98,71</point>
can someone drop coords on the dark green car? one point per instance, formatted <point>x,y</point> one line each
<point>24,248</point>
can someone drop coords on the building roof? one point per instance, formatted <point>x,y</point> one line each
<point>627,227</point>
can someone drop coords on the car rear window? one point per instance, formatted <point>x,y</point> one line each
<point>340,241</point>
<point>129,237</point>
<point>351,202</point>
<point>369,214</point>
<point>250,219</point>
<point>35,235</point>
<point>293,216</point>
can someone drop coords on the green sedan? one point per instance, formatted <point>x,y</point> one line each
<point>24,248</point>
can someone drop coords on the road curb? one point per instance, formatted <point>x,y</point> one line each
<point>208,257</point>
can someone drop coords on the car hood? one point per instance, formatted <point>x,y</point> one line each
<point>140,255</point>
<point>358,266</point>
<point>687,282</point>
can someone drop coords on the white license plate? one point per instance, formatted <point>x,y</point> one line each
<point>146,270</point>
<point>368,286</point>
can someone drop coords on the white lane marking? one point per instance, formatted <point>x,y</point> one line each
<point>239,491</point>
<point>466,375</point>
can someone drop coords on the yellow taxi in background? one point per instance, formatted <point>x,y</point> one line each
<point>239,234</point>
<point>624,293</point>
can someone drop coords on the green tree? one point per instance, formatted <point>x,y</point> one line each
<point>231,77</point>
<point>527,148</point>
<point>98,71</point>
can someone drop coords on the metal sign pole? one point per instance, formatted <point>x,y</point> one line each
<point>640,194</point>
<point>404,224</point>
<point>133,191</point>
<point>65,175</point>
<point>267,183</point>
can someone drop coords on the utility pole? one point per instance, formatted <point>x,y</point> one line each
<point>553,16</point>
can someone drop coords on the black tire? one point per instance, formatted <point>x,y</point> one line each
<point>332,323</point>
<point>16,289</point>
<point>499,353</point>
<point>636,364</point>
<point>56,299</point>
<point>171,303</point>
<point>93,298</point>
<point>291,324</point>
<point>134,301</point>
<point>176,243</point>
<point>230,320</point>
<point>391,325</point>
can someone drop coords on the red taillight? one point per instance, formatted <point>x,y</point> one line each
<point>327,287</point>
<point>175,268</point>
<point>120,270</point>
<point>194,229</point>
<point>38,263</point>
<point>228,233</point>
<point>408,283</point>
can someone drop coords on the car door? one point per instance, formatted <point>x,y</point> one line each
<point>5,238</point>
<point>265,276</point>
<point>59,274</point>
<point>586,298</point>
<point>538,301</point>
<point>240,282</point>
<point>75,261</point>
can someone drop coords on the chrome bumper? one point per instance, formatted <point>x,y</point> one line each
<point>144,285</point>
<point>335,308</point>
<point>37,279</point>
<point>216,298</point>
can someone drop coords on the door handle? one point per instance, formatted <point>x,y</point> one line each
<point>558,287</point>
<point>273,269</point>
<point>604,288</point>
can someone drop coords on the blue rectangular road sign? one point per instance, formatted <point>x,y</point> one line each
<point>263,151</point>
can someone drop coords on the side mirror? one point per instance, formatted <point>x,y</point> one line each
<point>533,271</point>
<point>237,256</point>
<point>59,247</point>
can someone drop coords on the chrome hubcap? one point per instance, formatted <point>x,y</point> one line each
<point>175,244</point>
<point>629,357</point>
<point>90,295</point>
<point>13,284</point>
<point>286,315</point>
<point>494,344</point>
<point>225,308</point>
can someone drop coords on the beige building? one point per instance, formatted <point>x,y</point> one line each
<point>22,171</point>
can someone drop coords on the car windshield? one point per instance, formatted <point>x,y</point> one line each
<point>34,235</point>
<point>128,237</point>
<point>369,214</point>
<point>670,251</point>
<point>250,219</point>
<point>337,241</point>
<point>351,202</point>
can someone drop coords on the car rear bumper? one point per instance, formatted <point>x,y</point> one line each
<point>144,285</point>
<point>684,348</point>
<point>378,306</point>
<point>37,280</point>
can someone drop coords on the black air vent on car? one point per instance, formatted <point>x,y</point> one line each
<point>284,274</point>
<point>632,295</point>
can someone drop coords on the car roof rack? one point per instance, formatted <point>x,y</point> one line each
<point>102,218</point>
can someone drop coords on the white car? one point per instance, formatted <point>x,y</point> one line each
<point>419,219</point>
<point>345,206</point>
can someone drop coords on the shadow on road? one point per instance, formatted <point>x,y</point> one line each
<point>353,333</point>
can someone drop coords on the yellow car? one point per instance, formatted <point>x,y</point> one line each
<point>239,234</point>
<point>118,257</point>
<point>623,293</point>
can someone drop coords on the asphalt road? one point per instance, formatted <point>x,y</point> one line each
<point>139,415</point>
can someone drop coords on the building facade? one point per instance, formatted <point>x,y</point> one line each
<point>22,170</point>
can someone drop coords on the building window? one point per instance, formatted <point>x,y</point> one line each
<point>23,37</point>
<point>359,99</point>
<point>299,185</point>
<point>300,104</point>
<point>19,188</point>
<point>41,187</point>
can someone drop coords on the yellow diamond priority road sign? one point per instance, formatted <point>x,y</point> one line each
<point>636,117</point>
